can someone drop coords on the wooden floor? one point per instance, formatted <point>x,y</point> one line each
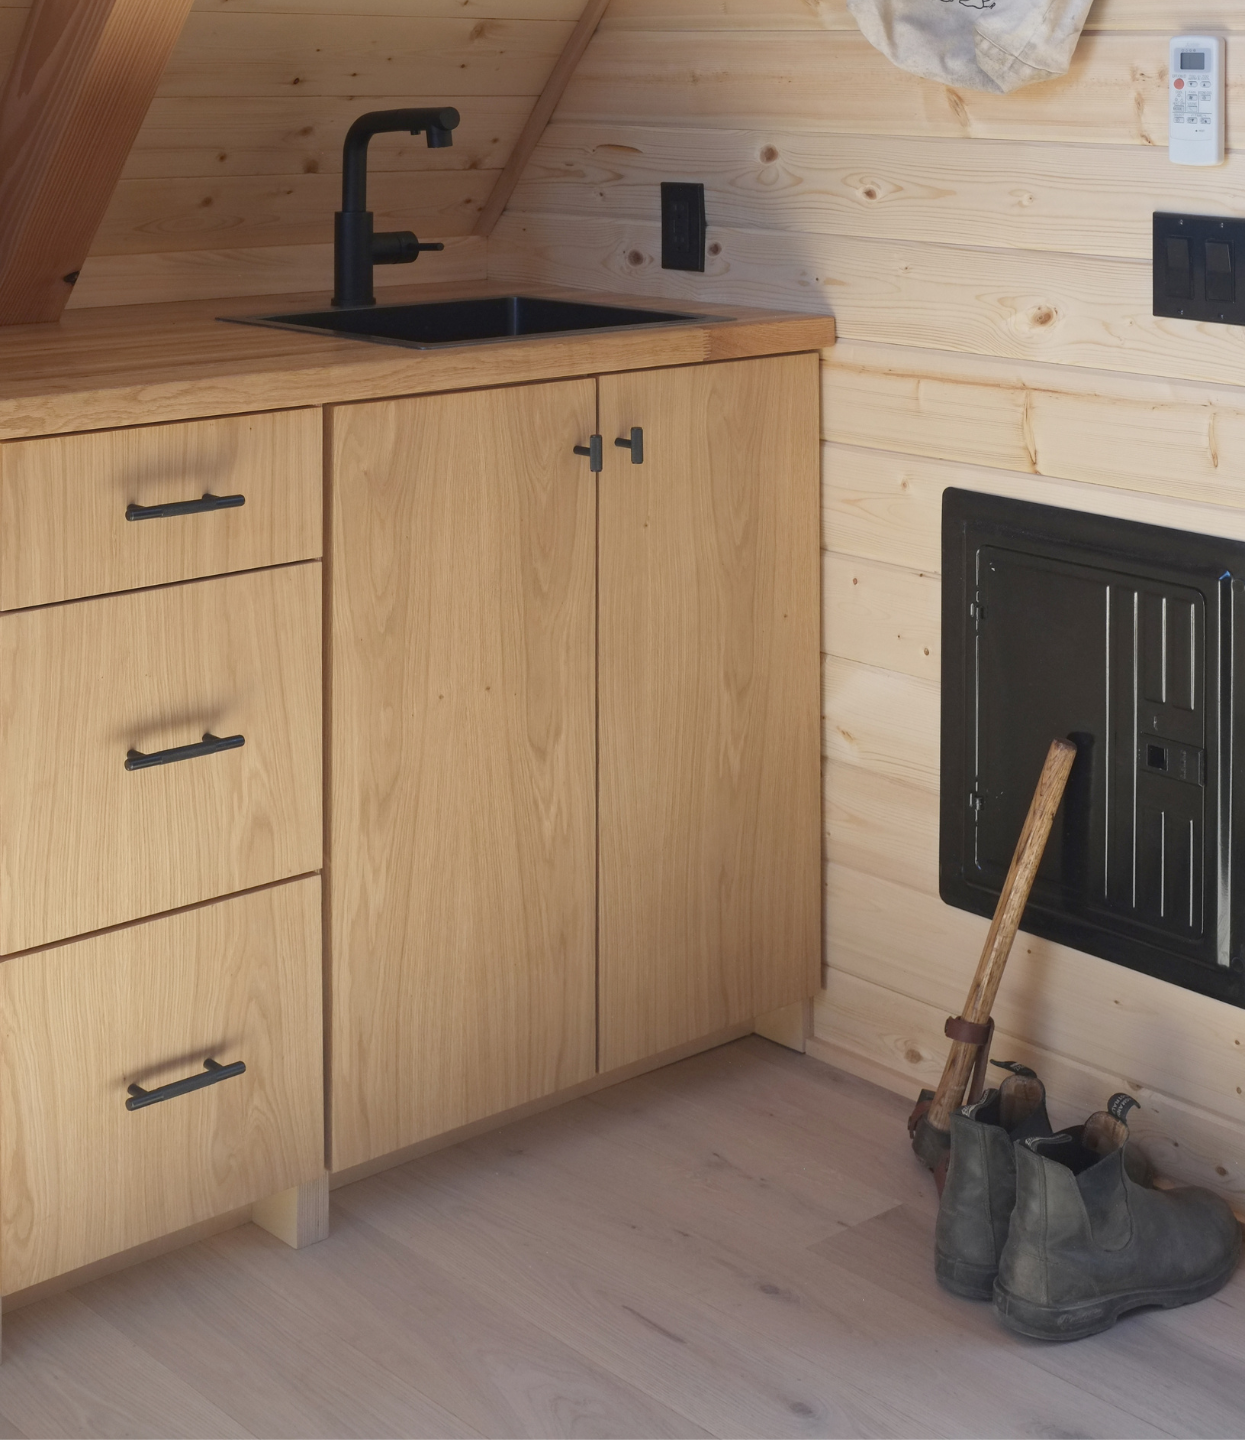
<point>736,1245</point>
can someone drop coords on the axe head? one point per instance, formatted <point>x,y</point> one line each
<point>930,1146</point>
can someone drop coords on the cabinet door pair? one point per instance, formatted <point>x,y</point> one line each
<point>575,734</point>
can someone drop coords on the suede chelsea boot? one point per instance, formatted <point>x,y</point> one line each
<point>1090,1238</point>
<point>980,1188</point>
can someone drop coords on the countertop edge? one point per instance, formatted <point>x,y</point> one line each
<point>147,365</point>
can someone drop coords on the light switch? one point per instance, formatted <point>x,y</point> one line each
<point>1220,278</point>
<point>1179,283</point>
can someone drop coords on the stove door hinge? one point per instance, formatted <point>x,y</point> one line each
<point>977,610</point>
<point>974,802</point>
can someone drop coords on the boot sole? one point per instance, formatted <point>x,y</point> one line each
<point>1075,1322</point>
<point>961,1277</point>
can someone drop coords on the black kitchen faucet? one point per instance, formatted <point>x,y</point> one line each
<point>355,247</point>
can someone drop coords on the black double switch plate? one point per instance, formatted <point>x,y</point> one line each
<point>1197,267</point>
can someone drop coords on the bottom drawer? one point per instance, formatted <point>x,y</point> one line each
<point>81,1176</point>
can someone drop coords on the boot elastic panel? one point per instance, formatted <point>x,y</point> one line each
<point>1081,1146</point>
<point>980,1191</point>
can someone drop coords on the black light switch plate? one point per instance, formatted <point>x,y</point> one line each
<point>1197,267</point>
<point>682,226</point>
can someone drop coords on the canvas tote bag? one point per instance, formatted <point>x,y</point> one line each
<point>996,45</point>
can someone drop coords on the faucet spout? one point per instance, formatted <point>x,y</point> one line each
<point>356,247</point>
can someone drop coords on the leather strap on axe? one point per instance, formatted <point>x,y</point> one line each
<point>968,1032</point>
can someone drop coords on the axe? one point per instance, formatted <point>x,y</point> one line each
<point>970,1032</point>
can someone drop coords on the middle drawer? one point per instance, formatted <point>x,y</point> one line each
<point>84,841</point>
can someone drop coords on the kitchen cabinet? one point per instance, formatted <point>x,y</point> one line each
<point>463,835</point>
<point>710,712</point>
<point>521,788</point>
<point>469,733</point>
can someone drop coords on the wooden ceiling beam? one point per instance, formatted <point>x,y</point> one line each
<point>542,113</point>
<point>85,73</point>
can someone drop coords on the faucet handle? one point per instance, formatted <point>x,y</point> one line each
<point>398,247</point>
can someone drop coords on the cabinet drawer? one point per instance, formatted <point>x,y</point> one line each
<point>83,1176</point>
<point>63,503</point>
<point>86,843</point>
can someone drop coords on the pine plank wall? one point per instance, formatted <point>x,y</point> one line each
<point>231,186</point>
<point>987,258</point>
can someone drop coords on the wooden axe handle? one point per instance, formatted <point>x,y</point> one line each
<point>1007,915</point>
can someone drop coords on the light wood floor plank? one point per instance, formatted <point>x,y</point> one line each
<point>756,1278</point>
<point>485,1359</point>
<point>68,1372</point>
<point>738,1245</point>
<point>199,1312</point>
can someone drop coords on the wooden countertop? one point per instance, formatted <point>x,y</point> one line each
<point>140,364</point>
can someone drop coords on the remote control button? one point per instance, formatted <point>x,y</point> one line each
<point>1179,84</point>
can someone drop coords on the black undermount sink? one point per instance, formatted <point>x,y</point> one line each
<point>462,322</point>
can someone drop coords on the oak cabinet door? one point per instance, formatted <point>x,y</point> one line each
<point>710,790</point>
<point>462,851</point>
<point>85,1177</point>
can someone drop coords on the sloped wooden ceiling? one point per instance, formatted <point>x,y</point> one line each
<point>231,185</point>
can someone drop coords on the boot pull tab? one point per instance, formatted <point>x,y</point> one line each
<point>1016,1068</point>
<point>1120,1104</point>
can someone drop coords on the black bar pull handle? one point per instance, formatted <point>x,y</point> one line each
<point>209,745</point>
<point>184,507</point>
<point>635,445</point>
<point>595,451</point>
<point>213,1073</point>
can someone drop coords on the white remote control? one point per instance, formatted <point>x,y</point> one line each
<point>1196,91</point>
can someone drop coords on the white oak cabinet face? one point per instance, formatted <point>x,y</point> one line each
<point>513,631</point>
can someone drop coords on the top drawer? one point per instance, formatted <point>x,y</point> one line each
<point>63,502</point>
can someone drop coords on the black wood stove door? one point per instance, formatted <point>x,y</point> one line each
<point>1122,637</point>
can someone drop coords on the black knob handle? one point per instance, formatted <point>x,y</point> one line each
<point>213,1073</point>
<point>635,445</point>
<point>595,451</point>
<point>209,745</point>
<point>184,507</point>
<point>398,247</point>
